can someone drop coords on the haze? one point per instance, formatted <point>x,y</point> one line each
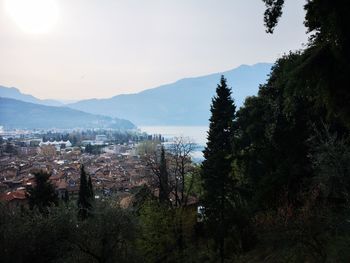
<point>105,48</point>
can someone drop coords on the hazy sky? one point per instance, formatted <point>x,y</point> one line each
<point>101,48</point>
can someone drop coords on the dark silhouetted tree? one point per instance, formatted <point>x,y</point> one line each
<point>163,178</point>
<point>272,13</point>
<point>91,189</point>
<point>84,199</point>
<point>324,68</point>
<point>66,196</point>
<point>216,168</point>
<point>43,195</point>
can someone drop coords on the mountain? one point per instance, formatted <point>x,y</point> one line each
<point>14,93</point>
<point>185,102</point>
<point>25,115</point>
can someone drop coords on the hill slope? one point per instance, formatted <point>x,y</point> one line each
<point>24,115</point>
<point>185,102</point>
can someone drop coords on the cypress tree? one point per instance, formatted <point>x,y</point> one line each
<point>216,167</point>
<point>91,189</point>
<point>163,178</point>
<point>84,199</point>
<point>66,197</point>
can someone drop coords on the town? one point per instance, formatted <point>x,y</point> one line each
<point>110,158</point>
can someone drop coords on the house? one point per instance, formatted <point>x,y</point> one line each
<point>15,199</point>
<point>61,189</point>
<point>12,183</point>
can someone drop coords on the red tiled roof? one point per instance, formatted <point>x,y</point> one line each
<point>19,194</point>
<point>61,185</point>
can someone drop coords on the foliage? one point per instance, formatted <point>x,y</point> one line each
<point>93,149</point>
<point>108,236</point>
<point>163,179</point>
<point>292,145</point>
<point>33,237</point>
<point>85,197</point>
<point>324,68</point>
<point>91,189</point>
<point>180,168</point>
<point>59,237</point>
<point>43,194</point>
<point>193,182</point>
<point>272,13</point>
<point>157,240</point>
<point>147,147</point>
<point>167,235</point>
<point>216,168</point>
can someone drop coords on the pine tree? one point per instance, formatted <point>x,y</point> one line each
<point>216,168</point>
<point>163,178</point>
<point>84,199</point>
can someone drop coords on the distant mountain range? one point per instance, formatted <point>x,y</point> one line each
<point>24,115</point>
<point>15,93</point>
<point>185,102</point>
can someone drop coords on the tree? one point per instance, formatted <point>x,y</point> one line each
<point>142,195</point>
<point>43,195</point>
<point>216,168</point>
<point>66,196</point>
<point>10,148</point>
<point>157,162</point>
<point>298,190</point>
<point>107,237</point>
<point>91,189</point>
<point>156,240</point>
<point>147,148</point>
<point>181,166</point>
<point>324,67</point>
<point>272,13</point>
<point>163,178</point>
<point>84,199</point>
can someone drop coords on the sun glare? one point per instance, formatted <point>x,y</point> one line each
<point>33,16</point>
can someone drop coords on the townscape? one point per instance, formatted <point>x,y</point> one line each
<point>115,170</point>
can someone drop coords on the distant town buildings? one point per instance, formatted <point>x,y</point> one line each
<point>115,171</point>
<point>57,143</point>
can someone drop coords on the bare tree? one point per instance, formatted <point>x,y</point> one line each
<point>153,154</point>
<point>175,163</point>
<point>180,166</point>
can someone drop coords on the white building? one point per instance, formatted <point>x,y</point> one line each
<point>101,138</point>
<point>57,143</point>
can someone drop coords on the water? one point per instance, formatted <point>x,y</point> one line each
<point>197,134</point>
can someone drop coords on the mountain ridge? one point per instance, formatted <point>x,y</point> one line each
<point>15,93</point>
<point>183,102</point>
<point>26,115</point>
<point>162,105</point>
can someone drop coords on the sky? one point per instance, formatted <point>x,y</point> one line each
<point>79,49</point>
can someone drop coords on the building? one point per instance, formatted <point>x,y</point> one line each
<point>57,143</point>
<point>15,199</point>
<point>101,139</point>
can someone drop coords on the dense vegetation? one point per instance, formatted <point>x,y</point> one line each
<point>275,182</point>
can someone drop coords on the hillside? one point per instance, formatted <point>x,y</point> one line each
<point>24,115</point>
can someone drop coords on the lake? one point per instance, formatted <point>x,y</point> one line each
<point>197,134</point>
